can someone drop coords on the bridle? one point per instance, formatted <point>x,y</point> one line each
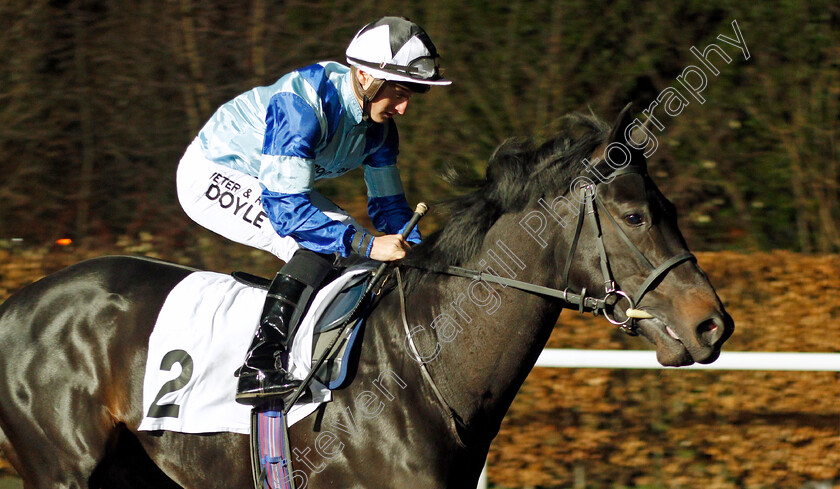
<point>590,203</point>
<point>589,207</point>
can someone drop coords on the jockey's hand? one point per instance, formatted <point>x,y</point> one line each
<point>389,247</point>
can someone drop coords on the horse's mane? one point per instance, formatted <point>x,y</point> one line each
<point>518,173</point>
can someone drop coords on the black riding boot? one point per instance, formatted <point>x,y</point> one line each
<point>263,375</point>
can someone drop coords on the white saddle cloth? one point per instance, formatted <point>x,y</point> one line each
<point>199,340</point>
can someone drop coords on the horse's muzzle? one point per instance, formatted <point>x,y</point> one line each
<point>680,346</point>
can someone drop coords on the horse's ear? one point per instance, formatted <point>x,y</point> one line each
<point>624,119</point>
<point>640,133</point>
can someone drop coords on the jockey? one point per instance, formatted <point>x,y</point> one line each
<point>249,174</point>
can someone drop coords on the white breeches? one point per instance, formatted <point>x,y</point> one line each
<point>227,202</point>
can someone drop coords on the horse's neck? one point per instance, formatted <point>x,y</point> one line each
<point>484,337</point>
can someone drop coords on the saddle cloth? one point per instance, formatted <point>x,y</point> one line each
<point>199,340</point>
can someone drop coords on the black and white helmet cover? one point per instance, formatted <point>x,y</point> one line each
<point>396,49</point>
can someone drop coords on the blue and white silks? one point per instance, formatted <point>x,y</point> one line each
<point>307,126</point>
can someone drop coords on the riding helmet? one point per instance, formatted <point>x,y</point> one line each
<point>397,49</point>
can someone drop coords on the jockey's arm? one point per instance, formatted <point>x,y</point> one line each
<point>295,215</point>
<point>387,205</point>
<point>287,174</point>
<point>389,212</point>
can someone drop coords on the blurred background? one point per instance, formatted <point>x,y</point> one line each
<point>99,99</point>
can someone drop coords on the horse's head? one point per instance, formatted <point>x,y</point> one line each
<point>654,277</point>
<point>603,236</point>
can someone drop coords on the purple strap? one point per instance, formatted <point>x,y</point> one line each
<point>273,450</point>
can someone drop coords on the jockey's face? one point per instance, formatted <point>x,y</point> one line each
<point>391,100</point>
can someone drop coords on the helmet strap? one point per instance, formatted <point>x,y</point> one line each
<point>366,95</point>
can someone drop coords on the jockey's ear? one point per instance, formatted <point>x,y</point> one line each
<point>365,79</point>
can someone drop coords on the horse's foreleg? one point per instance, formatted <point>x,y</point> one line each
<point>220,461</point>
<point>8,452</point>
<point>47,459</point>
<point>54,436</point>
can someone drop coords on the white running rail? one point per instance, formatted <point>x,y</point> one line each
<point>729,360</point>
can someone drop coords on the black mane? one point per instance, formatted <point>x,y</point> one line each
<point>519,172</point>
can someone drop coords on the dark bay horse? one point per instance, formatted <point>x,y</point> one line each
<point>73,345</point>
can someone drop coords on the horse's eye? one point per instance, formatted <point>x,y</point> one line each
<point>634,220</point>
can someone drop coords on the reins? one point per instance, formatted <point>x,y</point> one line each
<point>589,206</point>
<point>452,415</point>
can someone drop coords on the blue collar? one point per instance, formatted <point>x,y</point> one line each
<point>354,109</point>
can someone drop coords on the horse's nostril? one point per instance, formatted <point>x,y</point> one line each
<point>710,330</point>
<point>707,326</point>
